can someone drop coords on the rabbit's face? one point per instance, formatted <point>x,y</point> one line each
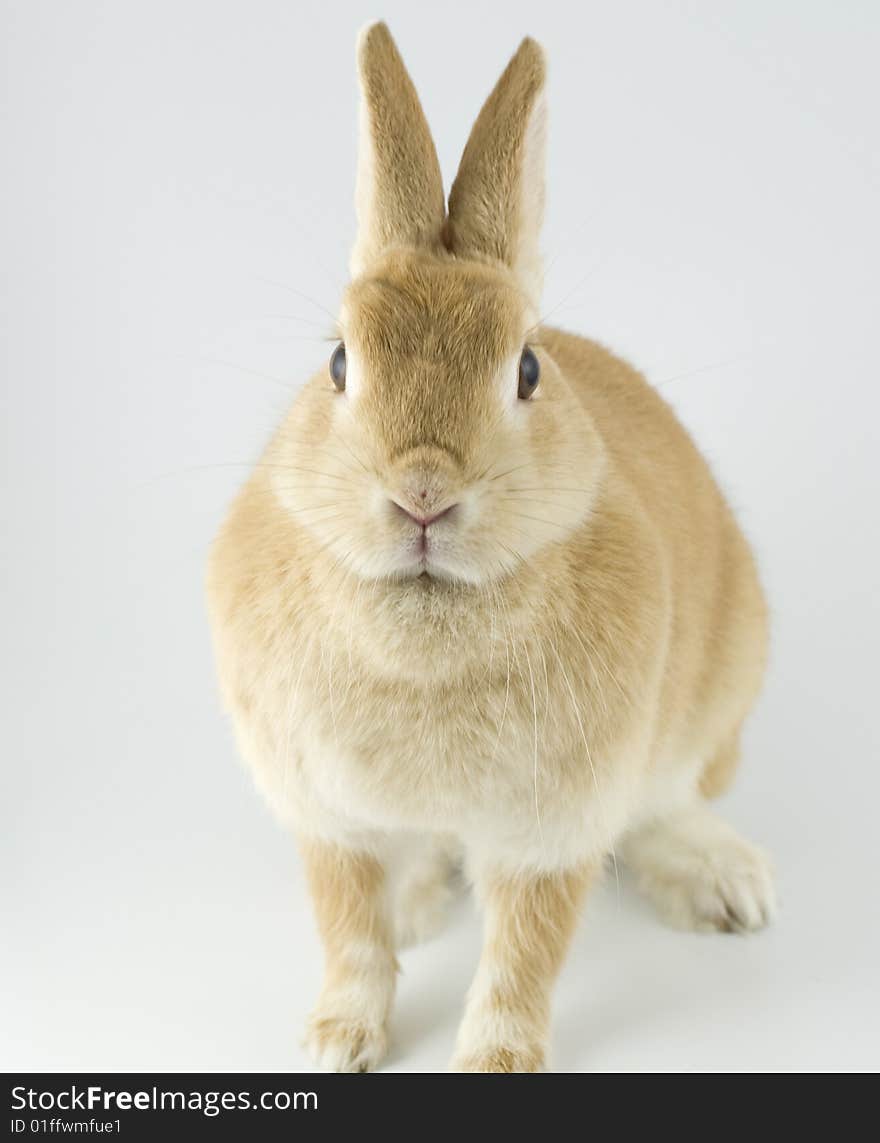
<point>439,458</point>
<point>451,448</point>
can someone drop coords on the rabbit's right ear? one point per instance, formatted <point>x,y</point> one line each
<point>399,197</point>
<point>497,201</point>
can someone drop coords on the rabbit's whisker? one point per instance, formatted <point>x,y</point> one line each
<point>530,464</point>
<point>535,714</point>
<point>304,321</point>
<point>287,386</point>
<point>505,615</point>
<point>512,488</point>
<point>305,297</point>
<point>539,520</point>
<point>589,753</point>
<point>531,500</point>
<point>592,648</point>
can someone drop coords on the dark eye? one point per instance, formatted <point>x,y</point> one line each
<point>337,366</point>
<point>529,374</point>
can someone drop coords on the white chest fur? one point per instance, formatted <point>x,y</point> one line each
<point>511,761</point>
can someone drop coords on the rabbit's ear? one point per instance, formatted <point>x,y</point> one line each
<point>497,201</point>
<point>399,197</point>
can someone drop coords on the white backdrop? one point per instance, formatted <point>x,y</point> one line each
<point>176,205</point>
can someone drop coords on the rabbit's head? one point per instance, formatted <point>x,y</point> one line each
<point>443,440</point>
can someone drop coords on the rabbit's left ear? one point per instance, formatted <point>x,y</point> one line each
<point>399,197</point>
<point>496,205</point>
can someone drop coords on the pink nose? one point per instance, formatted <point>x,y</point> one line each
<point>422,521</point>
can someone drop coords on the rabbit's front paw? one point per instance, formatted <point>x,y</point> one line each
<point>338,1044</point>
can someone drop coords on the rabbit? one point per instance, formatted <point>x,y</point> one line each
<point>482,604</point>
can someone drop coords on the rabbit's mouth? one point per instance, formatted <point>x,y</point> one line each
<point>436,549</point>
<point>427,524</point>
<point>426,565</point>
<point>425,561</point>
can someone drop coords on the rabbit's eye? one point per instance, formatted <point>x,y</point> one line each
<point>337,366</point>
<point>529,374</point>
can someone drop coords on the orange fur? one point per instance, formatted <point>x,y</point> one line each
<point>530,921</point>
<point>348,891</point>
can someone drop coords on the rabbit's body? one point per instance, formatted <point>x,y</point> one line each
<point>528,629</point>
<point>542,717</point>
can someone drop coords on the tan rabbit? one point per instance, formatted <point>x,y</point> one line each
<point>482,597</point>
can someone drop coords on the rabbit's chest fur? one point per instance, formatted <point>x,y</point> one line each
<point>488,761</point>
<point>355,723</point>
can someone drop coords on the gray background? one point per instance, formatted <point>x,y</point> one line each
<point>176,208</point>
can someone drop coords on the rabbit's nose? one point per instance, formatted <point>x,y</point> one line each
<point>422,519</point>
